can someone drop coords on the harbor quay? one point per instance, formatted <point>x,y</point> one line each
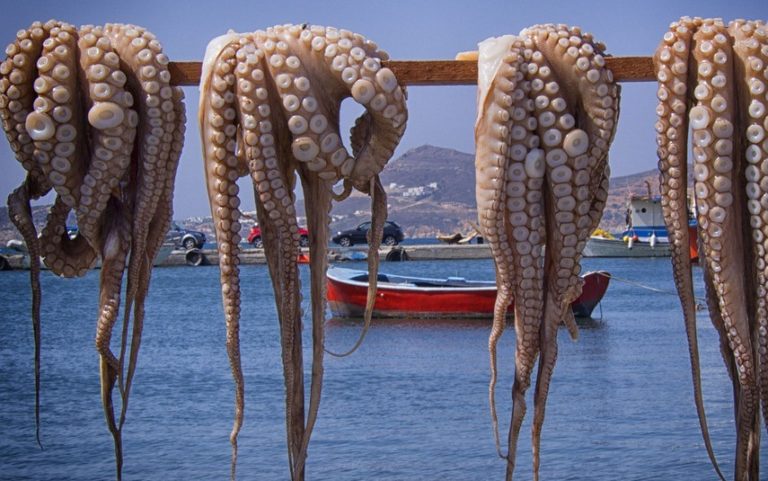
<point>386,253</point>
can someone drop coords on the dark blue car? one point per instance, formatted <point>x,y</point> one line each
<point>393,235</point>
<point>185,238</point>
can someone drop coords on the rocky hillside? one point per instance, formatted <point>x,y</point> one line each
<point>431,190</point>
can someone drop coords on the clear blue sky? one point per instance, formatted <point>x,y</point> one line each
<point>408,30</point>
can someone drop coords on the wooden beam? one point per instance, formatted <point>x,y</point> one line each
<point>443,72</point>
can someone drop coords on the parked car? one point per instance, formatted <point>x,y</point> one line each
<point>393,235</point>
<point>186,238</point>
<point>254,237</point>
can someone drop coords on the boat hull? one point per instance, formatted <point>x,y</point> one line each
<point>597,247</point>
<point>408,300</point>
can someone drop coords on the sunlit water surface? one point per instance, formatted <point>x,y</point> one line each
<point>411,404</point>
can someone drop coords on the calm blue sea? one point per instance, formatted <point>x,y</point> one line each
<point>411,404</point>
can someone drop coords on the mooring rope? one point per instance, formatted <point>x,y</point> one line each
<point>700,305</point>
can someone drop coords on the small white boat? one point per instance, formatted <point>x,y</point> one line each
<point>645,235</point>
<point>601,247</point>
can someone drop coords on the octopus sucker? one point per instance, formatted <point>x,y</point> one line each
<point>547,112</point>
<point>66,100</point>
<point>708,79</point>
<point>269,107</point>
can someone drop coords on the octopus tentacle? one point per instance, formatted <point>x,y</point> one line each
<point>17,96</point>
<point>498,80</point>
<point>64,256</point>
<point>351,58</point>
<point>16,102</point>
<point>147,78</point>
<point>525,230</point>
<point>54,125</point>
<point>259,118</point>
<point>554,122</point>
<point>374,138</point>
<point>318,222</point>
<point>671,65</point>
<point>55,122</point>
<point>218,141</point>
<point>576,156</point>
<point>750,58</point>
<point>115,248</point>
<point>113,125</point>
<point>378,217</point>
<point>595,109</point>
<point>375,233</point>
<point>718,220</point>
<point>21,216</point>
<point>155,239</point>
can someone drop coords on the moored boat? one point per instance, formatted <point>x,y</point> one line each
<point>602,247</point>
<point>452,298</point>
<point>645,234</point>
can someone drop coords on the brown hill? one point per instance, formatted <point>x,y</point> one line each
<point>431,190</point>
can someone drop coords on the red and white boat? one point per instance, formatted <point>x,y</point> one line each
<point>405,297</point>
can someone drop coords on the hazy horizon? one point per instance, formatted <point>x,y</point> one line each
<point>408,31</point>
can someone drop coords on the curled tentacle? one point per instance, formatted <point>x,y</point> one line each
<point>64,256</point>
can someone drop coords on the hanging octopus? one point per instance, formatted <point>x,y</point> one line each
<point>269,107</point>
<point>90,113</point>
<point>547,113</point>
<point>712,79</point>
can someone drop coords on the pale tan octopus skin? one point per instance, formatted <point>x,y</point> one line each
<point>269,107</point>
<point>67,105</point>
<point>712,76</point>
<point>547,114</point>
